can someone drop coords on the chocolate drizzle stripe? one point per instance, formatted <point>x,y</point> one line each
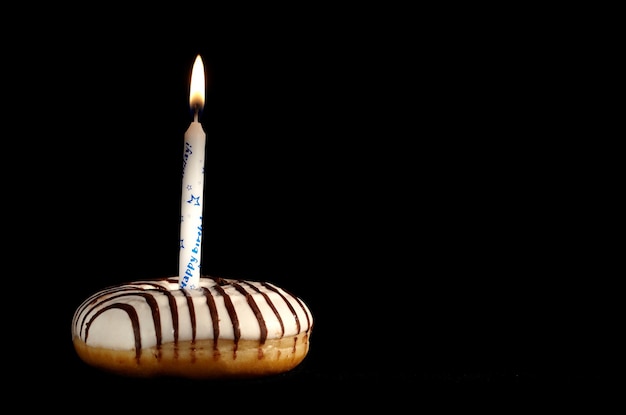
<point>92,300</point>
<point>272,287</point>
<point>215,319</point>
<point>233,317</point>
<point>257,312</point>
<point>304,309</point>
<point>272,306</point>
<point>174,312</point>
<point>150,300</point>
<point>192,314</point>
<point>132,314</point>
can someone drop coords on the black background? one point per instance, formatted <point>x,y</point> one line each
<point>417,179</point>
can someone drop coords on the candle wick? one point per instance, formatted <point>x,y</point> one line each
<point>195,113</point>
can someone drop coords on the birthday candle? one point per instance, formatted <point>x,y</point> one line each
<point>193,185</point>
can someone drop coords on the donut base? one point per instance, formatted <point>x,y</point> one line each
<point>201,359</point>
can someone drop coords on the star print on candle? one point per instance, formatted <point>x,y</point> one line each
<point>195,199</point>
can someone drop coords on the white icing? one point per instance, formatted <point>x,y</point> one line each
<point>113,328</point>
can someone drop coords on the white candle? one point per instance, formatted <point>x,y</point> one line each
<point>193,186</point>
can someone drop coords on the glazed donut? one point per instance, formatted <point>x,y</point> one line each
<point>225,328</point>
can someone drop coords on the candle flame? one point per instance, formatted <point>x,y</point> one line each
<point>197,88</point>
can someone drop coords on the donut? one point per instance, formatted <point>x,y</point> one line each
<point>225,328</point>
